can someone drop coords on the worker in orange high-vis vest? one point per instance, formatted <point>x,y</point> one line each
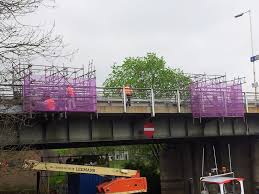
<point>50,104</point>
<point>128,92</point>
<point>70,97</point>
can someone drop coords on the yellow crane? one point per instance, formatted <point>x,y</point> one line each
<point>128,181</point>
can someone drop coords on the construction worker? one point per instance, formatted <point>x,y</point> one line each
<point>70,97</point>
<point>128,92</point>
<point>223,170</point>
<point>50,104</point>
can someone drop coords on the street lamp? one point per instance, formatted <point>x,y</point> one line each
<point>255,84</point>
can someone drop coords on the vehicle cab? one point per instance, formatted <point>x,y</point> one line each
<point>222,184</point>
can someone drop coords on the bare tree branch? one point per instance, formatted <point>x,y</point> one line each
<point>20,46</point>
<point>10,9</point>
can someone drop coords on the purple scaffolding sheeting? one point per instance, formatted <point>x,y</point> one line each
<point>217,100</point>
<point>37,89</point>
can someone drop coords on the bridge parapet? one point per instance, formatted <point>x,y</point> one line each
<point>164,101</point>
<point>143,100</point>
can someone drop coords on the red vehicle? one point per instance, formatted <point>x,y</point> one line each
<point>222,184</point>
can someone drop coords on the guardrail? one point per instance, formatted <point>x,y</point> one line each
<point>250,100</point>
<point>180,98</point>
<point>148,96</point>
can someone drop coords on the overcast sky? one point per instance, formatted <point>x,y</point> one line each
<point>197,36</point>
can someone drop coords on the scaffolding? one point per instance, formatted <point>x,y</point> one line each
<point>11,79</point>
<point>59,89</point>
<point>214,96</point>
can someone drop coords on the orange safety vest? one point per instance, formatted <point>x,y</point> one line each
<point>128,91</point>
<point>70,91</point>
<point>50,103</point>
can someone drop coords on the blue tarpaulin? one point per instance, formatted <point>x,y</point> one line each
<point>83,183</point>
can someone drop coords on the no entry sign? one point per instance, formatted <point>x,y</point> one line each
<point>149,129</point>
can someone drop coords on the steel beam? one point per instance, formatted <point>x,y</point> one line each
<point>117,127</point>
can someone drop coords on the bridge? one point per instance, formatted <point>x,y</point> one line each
<point>116,123</point>
<point>213,112</point>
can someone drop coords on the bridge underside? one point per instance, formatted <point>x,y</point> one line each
<point>111,129</point>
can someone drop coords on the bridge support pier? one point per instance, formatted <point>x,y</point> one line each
<point>181,165</point>
<point>178,169</point>
<point>255,164</point>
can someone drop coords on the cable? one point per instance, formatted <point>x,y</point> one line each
<point>229,156</point>
<point>215,159</point>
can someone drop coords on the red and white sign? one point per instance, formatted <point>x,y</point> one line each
<point>149,129</point>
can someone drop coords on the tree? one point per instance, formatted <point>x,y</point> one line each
<point>150,171</point>
<point>20,46</point>
<point>147,72</point>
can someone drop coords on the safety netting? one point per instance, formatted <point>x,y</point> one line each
<point>216,97</point>
<point>59,89</point>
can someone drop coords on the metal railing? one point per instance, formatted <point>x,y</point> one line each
<point>250,100</point>
<point>146,96</point>
<point>179,98</point>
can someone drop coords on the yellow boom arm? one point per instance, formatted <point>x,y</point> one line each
<point>47,166</point>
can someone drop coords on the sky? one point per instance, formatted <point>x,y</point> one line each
<point>199,36</point>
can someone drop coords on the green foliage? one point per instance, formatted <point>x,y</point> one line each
<point>142,157</point>
<point>117,163</point>
<point>57,178</point>
<point>134,150</point>
<point>61,152</point>
<point>147,72</point>
<point>149,170</point>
